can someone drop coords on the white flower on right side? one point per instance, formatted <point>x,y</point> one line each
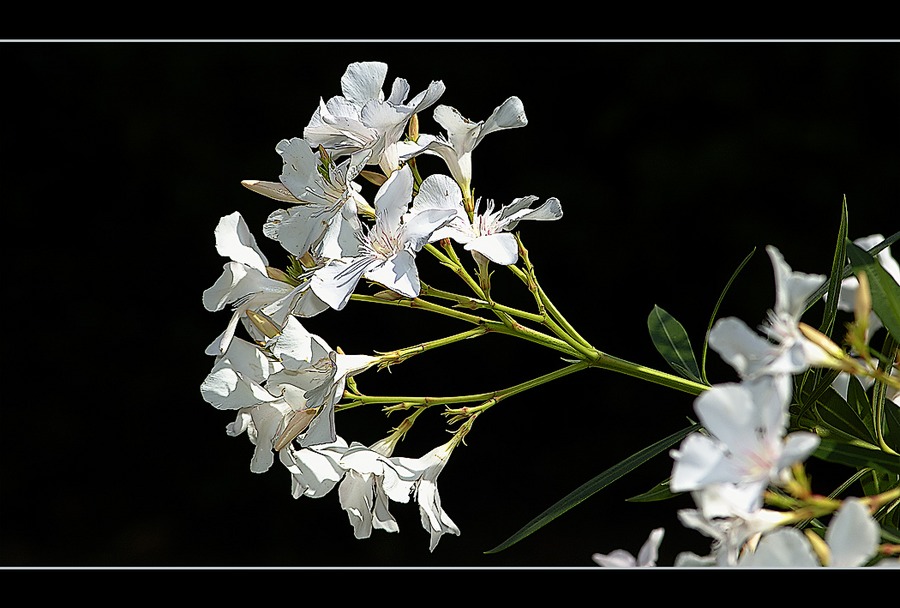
<point>850,285</point>
<point>851,540</point>
<point>787,351</point>
<point>746,445</point>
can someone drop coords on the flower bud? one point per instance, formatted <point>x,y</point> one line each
<point>413,128</point>
<point>863,305</point>
<point>295,424</point>
<point>279,275</point>
<point>819,546</point>
<point>821,340</point>
<point>373,177</point>
<point>263,323</point>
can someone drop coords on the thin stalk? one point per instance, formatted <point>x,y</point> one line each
<point>412,401</point>
<point>515,329</point>
<point>402,354</point>
<point>648,373</point>
<point>879,394</point>
<point>475,304</point>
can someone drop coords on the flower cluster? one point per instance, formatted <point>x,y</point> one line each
<point>351,208</point>
<point>286,383</point>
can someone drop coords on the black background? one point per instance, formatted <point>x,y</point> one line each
<point>672,160</point>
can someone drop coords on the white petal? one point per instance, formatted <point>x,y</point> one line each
<point>852,535</point>
<point>234,240</point>
<point>742,348</point>
<point>421,227</point>
<point>299,170</point>
<point>781,548</point>
<point>397,274</point>
<point>699,461</point>
<point>334,283</point>
<point>508,115</point>
<point>500,248</point>
<point>363,80</point>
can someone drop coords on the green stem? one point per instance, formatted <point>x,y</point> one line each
<point>402,354</point>
<point>474,303</point>
<point>476,397</point>
<point>879,393</point>
<point>514,329</point>
<point>648,373</point>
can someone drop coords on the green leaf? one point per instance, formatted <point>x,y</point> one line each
<point>595,485</point>
<point>884,288</point>
<point>892,424</point>
<point>876,482</point>
<point>658,492</point>
<point>715,313</point>
<point>840,452</point>
<point>838,415</point>
<point>837,268</point>
<point>672,342</point>
<point>859,401</point>
<point>848,269</point>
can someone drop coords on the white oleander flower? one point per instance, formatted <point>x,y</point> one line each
<point>746,445</point>
<point>850,285</point>
<point>244,283</point>
<point>387,250</point>
<point>851,540</point>
<point>288,398</point>
<point>425,491</point>
<point>646,557</point>
<point>463,135</point>
<point>787,351</point>
<point>371,481</point>
<point>323,198</point>
<point>314,470</point>
<point>489,232</point>
<point>362,118</point>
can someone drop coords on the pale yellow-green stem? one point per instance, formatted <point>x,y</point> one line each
<point>880,394</point>
<point>541,297</point>
<point>407,402</point>
<point>648,373</point>
<point>475,304</point>
<point>516,329</point>
<point>402,354</point>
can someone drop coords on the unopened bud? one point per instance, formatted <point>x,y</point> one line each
<point>373,177</point>
<point>822,341</point>
<point>819,546</point>
<point>279,275</point>
<point>863,305</point>
<point>307,260</point>
<point>295,424</point>
<point>389,296</point>
<point>413,128</point>
<point>263,323</point>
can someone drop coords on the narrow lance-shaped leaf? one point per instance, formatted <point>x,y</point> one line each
<point>885,290</point>
<point>836,276</point>
<point>857,457</point>
<point>715,313</point>
<point>595,485</point>
<point>671,340</point>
